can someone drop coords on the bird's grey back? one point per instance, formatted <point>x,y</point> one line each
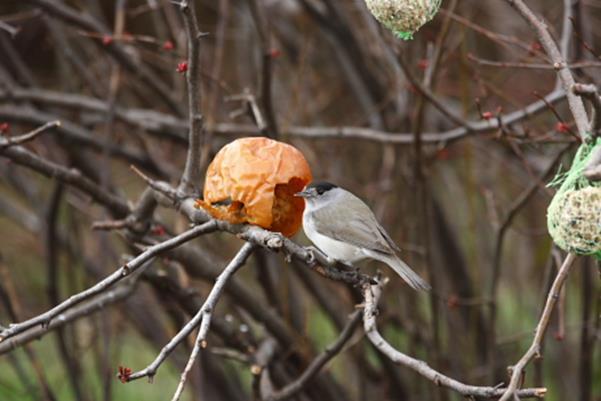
<point>347,218</point>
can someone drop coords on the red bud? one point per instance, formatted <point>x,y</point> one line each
<point>182,67</point>
<point>562,127</point>
<point>487,115</point>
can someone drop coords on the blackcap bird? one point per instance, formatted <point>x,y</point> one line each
<point>343,227</point>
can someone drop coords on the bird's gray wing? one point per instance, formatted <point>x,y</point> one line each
<point>387,238</point>
<point>355,224</point>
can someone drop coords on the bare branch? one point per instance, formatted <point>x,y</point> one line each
<point>20,155</point>
<point>371,295</point>
<point>18,140</point>
<point>431,97</point>
<point>264,31</point>
<point>566,35</point>
<point>191,177</point>
<point>171,127</point>
<point>203,315</point>
<point>531,66</point>
<point>206,312</point>
<point>567,79</point>
<point>12,31</point>
<point>78,135</point>
<point>90,24</point>
<point>320,361</point>
<point>591,93</point>
<point>514,208</point>
<point>85,309</point>
<point>45,318</point>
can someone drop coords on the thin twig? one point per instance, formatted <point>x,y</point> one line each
<point>541,329</point>
<point>207,310</point>
<point>249,102</point>
<point>18,140</point>
<point>158,186</point>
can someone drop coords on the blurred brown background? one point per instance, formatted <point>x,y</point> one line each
<point>468,209</point>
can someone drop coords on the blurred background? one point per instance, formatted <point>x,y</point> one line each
<point>468,207</point>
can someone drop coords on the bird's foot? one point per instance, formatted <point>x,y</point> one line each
<point>313,256</point>
<point>312,259</point>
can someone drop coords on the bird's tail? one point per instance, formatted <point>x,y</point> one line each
<point>403,270</point>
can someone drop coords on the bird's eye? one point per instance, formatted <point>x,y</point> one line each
<point>320,191</point>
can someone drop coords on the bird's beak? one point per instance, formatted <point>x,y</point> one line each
<point>302,194</point>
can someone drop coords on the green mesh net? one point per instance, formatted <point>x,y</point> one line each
<point>403,17</point>
<point>574,215</point>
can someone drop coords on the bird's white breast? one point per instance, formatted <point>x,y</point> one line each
<point>333,248</point>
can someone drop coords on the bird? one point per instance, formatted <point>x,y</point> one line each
<point>343,227</point>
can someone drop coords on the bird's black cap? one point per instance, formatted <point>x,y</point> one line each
<point>321,186</point>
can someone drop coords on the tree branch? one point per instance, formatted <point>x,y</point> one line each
<point>191,177</point>
<point>207,309</point>
<point>319,362</point>
<point>18,140</point>
<point>116,50</point>
<point>45,318</point>
<point>590,92</point>
<point>371,295</point>
<point>84,310</point>
<point>169,126</point>
<point>541,329</point>
<point>73,177</point>
<point>567,79</point>
<point>203,315</point>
